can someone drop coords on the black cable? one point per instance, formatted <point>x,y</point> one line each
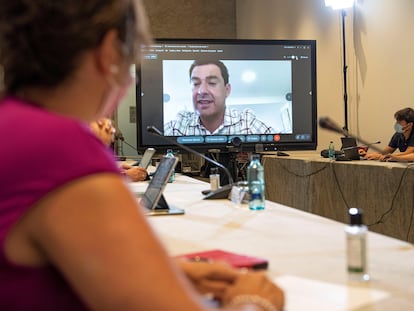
<point>411,222</point>
<point>339,186</point>
<point>381,219</point>
<point>302,175</point>
<point>125,142</point>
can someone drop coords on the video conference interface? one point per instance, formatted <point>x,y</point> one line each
<point>273,81</point>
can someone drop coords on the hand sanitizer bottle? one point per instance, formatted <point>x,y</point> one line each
<point>356,239</point>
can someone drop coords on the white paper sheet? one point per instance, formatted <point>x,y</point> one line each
<point>306,294</point>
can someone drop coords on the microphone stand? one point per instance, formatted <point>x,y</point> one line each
<point>222,192</point>
<point>361,146</point>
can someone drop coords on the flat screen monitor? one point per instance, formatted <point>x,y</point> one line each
<point>268,102</point>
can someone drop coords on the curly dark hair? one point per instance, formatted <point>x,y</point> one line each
<point>406,114</point>
<point>41,41</point>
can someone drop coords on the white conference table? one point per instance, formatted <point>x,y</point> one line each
<point>306,252</point>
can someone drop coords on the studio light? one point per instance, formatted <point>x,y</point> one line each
<point>339,4</point>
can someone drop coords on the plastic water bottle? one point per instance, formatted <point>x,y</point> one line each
<point>255,179</point>
<point>170,154</point>
<point>331,151</point>
<point>356,240</point>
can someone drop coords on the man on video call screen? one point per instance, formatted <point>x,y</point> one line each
<point>261,103</point>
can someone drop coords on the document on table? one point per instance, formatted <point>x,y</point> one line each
<point>307,294</point>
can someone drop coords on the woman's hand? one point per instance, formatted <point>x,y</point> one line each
<point>133,172</point>
<point>227,284</point>
<point>211,278</point>
<point>257,286</point>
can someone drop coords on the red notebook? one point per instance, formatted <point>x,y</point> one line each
<point>234,259</point>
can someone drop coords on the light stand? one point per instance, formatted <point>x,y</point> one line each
<point>345,69</point>
<point>343,4</point>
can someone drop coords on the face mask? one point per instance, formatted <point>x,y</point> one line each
<point>398,128</point>
<point>114,96</point>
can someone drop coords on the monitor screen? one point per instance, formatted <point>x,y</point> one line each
<point>209,94</point>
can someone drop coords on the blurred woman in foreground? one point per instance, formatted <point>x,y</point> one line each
<point>72,236</point>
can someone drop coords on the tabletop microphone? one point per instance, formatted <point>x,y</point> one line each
<point>370,144</point>
<point>328,124</point>
<point>119,136</point>
<point>222,192</point>
<point>362,146</point>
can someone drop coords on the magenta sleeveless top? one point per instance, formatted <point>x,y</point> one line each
<point>40,151</point>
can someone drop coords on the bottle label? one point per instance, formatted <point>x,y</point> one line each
<point>256,196</point>
<point>356,254</point>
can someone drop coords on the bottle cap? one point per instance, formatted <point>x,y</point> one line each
<point>214,170</point>
<point>355,216</point>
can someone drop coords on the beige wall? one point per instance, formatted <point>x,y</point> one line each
<point>385,64</point>
<point>379,56</point>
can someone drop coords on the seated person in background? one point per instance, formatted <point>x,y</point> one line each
<point>210,88</point>
<point>403,138</point>
<point>105,131</point>
<point>73,236</point>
